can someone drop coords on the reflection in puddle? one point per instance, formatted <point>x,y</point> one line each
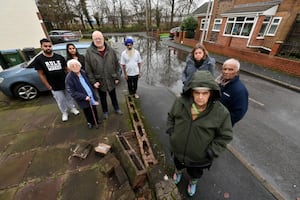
<point>162,65</point>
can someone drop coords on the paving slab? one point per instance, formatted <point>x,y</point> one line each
<point>47,189</point>
<point>48,162</point>
<point>26,141</point>
<point>87,184</point>
<point>4,142</point>
<point>8,194</point>
<point>13,168</point>
<point>42,117</point>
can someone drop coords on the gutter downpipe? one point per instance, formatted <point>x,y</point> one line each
<point>206,20</point>
<point>210,14</point>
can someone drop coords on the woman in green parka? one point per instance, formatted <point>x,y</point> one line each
<point>199,127</point>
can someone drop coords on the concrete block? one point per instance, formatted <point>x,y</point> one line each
<point>130,161</point>
<point>108,164</point>
<point>121,175</point>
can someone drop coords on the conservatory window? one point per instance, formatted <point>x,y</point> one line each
<point>239,26</point>
<point>274,26</point>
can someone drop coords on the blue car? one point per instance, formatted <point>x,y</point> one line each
<point>22,81</point>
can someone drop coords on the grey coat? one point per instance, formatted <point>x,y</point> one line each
<point>190,68</point>
<point>104,70</point>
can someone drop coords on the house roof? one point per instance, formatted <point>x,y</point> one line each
<point>201,11</point>
<point>266,8</point>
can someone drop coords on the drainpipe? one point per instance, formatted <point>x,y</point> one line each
<point>211,5</point>
<point>206,20</point>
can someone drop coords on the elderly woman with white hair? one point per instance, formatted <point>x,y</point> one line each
<point>78,85</point>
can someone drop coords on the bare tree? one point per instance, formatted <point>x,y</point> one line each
<point>139,8</point>
<point>101,11</point>
<point>119,13</point>
<point>78,12</point>
<point>85,12</point>
<point>114,13</point>
<point>53,11</point>
<point>122,14</point>
<point>158,14</point>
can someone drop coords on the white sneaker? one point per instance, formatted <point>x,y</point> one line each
<point>64,117</point>
<point>136,96</point>
<point>74,111</point>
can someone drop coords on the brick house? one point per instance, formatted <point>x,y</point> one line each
<point>257,31</point>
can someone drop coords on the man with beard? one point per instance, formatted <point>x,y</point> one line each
<point>52,69</point>
<point>102,68</point>
<point>131,63</point>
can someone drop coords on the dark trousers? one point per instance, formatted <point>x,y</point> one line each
<point>89,115</point>
<point>113,98</point>
<point>193,172</point>
<point>132,83</point>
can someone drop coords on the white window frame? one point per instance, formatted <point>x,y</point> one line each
<point>274,26</point>
<point>204,24</point>
<point>217,24</point>
<point>264,26</point>
<point>241,23</point>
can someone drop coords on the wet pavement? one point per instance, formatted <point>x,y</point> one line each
<point>35,148</point>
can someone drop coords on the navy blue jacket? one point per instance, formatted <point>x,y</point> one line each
<point>76,90</point>
<point>234,96</point>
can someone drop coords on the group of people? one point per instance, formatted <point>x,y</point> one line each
<point>78,76</point>
<point>201,119</point>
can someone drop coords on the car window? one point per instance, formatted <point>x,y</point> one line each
<point>82,51</point>
<point>63,52</point>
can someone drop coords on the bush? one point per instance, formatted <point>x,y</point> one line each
<point>189,25</point>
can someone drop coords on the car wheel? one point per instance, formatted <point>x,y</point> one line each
<point>25,91</point>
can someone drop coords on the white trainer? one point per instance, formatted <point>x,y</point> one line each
<point>64,117</point>
<point>74,111</point>
<point>136,96</point>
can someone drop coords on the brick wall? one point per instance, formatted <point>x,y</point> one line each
<point>269,61</point>
<point>272,62</point>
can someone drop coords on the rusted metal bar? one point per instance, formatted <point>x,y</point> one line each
<point>141,135</point>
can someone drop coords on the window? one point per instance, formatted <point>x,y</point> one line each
<point>217,25</point>
<point>274,26</point>
<point>204,24</point>
<point>264,26</point>
<point>239,26</point>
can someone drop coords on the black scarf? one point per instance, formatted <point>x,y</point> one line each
<point>198,64</point>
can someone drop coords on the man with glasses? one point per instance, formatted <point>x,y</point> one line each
<point>102,68</point>
<point>52,70</point>
<point>131,63</point>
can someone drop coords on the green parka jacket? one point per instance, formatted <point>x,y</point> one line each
<point>104,70</point>
<point>211,131</point>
